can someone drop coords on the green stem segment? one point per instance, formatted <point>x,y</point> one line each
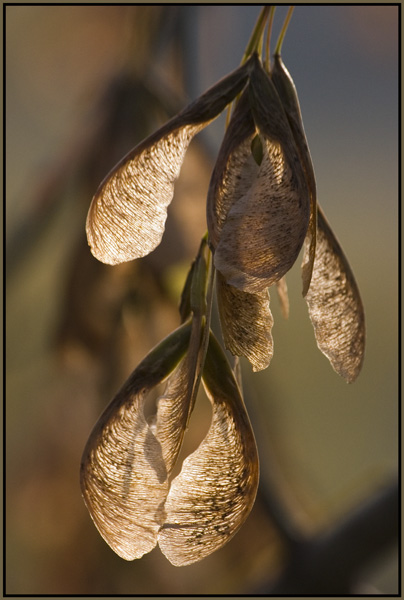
<point>254,45</point>
<point>268,39</point>
<point>282,34</point>
<point>196,301</point>
<point>256,37</point>
<point>206,327</point>
<point>201,277</point>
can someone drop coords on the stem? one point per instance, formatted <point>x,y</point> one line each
<point>206,330</point>
<point>254,45</point>
<point>330,562</point>
<point>283,32</point>
<point>267,45</point>
<point>256,36</point>
<point>197,300</point>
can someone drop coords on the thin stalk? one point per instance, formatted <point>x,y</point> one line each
<point>267,61</point>
<point>283,32</point>
<point>206,329</point>
<point>254,45</point>
<point>256,37</point>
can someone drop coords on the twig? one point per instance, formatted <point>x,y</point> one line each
<point>330,563</point>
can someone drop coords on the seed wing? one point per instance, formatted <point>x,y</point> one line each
<point>215,491</point>
<point>335,305</point>
<point>266,224</point>
<point>127,215</point>
<point>175,406</point>
<point>234,171</point>
<point>246,323</point>
<point>286,89</point>
<point>123,473</point>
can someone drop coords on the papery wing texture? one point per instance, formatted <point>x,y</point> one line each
<point>246,323</point>
<point>127,215</point>
<point>266,225</point>
<point>215,491</point>
<point>335,306</point>
<point>234,170</point>
<point>125,481</point>
<point>123,473</point>
<point>175,405</point>
<point>173,409</point>
<point>286,89</point>
<point>307,270</point>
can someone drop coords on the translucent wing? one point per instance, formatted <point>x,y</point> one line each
<point>127,215</point>
<point>246,323</point>
<point>234,171</point>
<point>173,411</point>
<point>266,225</point>
<point>335,306</point>
<point>176,404</point>
<point>286,89</point>
<point>124,481</point>
<point>215,491</point>
<point>123,473</point>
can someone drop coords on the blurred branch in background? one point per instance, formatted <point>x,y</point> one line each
<point>332,562</point>
<point>77,327</point>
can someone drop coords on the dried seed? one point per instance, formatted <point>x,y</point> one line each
<point>335,305</point>
<point>213,494</point>
<point>246,323</point>
<point>286,89</point>
<point>269,209</point>
<point>127,215</point>
<point>123,474</point>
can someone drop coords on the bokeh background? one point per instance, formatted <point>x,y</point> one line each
<point>83,85</point>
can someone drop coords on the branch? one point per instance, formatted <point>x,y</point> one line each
<point>330,562</point>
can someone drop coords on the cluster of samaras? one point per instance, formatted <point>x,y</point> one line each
<point>261,210</point>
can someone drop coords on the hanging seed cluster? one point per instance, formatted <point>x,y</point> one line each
<point>261,210</point>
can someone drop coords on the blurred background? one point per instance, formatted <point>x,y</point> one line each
<point>84,84</point>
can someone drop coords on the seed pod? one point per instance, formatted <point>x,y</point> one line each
<point>123,474</point>
<point>333,299</point>
<point>245,318</point>
<point>176,404</point>
<point>335,306</point>
<point>234,171</point>
<point>246,323</point>
<point>214,493</point>
<point>267,206</point>
<point>127,215</point>
<point>286,89</point>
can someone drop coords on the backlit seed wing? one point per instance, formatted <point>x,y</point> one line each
<point>307,269</point>
<point>335,306</point>
<point>123,474</point>
<point>266,226</point>
<point>173,411</point>
<point>286,89</point>
<point>234,171</point>
<point>175,405</point>
<point>127,215</point>
<point>246,323</point>
<point>125,481</point>
<point>215,491</point>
